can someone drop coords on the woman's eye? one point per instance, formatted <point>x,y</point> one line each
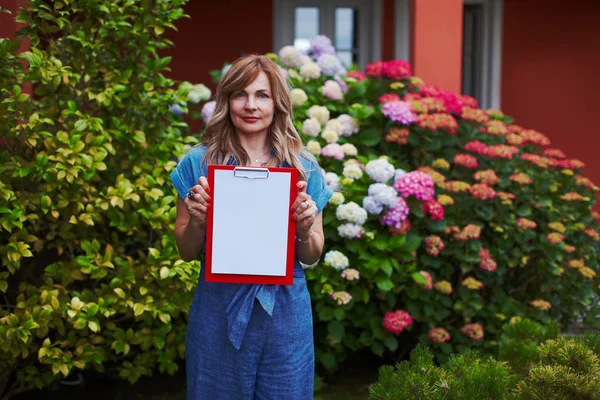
<point>263,96</point>
<point>240,94</point>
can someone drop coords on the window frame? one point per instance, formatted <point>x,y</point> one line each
<point>368,27</point>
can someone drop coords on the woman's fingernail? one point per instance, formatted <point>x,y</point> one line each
<point>207,190</point>
<point>293,217</point>
<point>293,209</point>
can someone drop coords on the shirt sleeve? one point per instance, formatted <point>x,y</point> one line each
<point>316,188</point>
<point>186,173</point>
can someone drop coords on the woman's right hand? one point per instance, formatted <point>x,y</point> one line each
<point>198,201</point>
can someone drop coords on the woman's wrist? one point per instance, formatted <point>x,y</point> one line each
<point>305,238</point>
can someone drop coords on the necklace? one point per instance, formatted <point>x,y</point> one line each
<point>258,159</point>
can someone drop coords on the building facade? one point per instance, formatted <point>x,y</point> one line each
<point>536,60</point>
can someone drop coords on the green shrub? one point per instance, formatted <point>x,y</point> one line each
<point>566,368</point>
<point>90,276</point>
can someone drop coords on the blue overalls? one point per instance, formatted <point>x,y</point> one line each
<point>247,341</point>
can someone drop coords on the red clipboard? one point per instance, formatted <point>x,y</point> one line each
<point>231,172</point>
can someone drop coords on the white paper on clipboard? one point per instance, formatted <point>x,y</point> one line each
<point>250,222</point>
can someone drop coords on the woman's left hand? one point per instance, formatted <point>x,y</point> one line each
<point>304,210</point>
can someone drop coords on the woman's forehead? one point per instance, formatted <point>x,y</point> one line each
<point>261,82</point>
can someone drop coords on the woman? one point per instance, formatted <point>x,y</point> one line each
<point>250,341</point>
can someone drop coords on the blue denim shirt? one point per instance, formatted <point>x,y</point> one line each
<point>241,296</point>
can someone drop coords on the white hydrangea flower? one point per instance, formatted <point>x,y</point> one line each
<point>341,298</point>
<point>349,149</point>
<point>384,194</point>
<point>349,125</point>
<point>337,259</point>
<point>306,59</point>
<point>380,170</point>
<point>350,274</point>
<point>399,173</point>
<point>332,181</point>
<point>290,56</point>
<point>198,93</point>
<point>330,136</point>
<point>313,147</point>
<point>310,70</point>
<point>298,97</point>
<point>372,206</point>
<point>350,231</point>
<point>337,198</point>
<point>320,113</point>
<point>351,212</point>
<point>334,125</point>
<point>311,127</point>
<point>352,171</point>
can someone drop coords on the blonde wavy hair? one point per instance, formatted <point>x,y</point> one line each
<point>220,136</point>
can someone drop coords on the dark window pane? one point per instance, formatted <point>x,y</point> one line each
<point>306,26</point>
<point>472,51</point>
<point>346,35</point>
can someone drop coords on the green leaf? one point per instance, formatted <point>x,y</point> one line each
<point>325,313</point>
<point>413,241</point>
<point>328,360</point>
<point>370,137</point>
<point>336,329</point>
<point>391,343</point>
<point>384,284</point>
<point>417,277</point>
<point>386,266</point>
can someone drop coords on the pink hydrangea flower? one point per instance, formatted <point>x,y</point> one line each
<point>474,331</point>
<point>435,209</point>
<point>332,90</point>
<point>359,76</point>
<point>333,150</point>
<point>476,147</point>
<point>486,263</point>
<point>396,69</point>
<point>415,183</point>
<point>439,335</point>
<point>386,98</point>
<point>428,278</point>
<point>396,321</point>
<point>374,69</point>
<point>399,111</point>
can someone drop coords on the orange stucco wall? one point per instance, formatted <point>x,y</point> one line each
<point>551,74</point>
<point>436,42</point>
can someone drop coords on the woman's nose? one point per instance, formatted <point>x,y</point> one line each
<point>250,103</point>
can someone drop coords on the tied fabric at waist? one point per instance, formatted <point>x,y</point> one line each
<point>240,308</point>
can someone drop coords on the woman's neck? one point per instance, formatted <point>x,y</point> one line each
<point>257,148</point>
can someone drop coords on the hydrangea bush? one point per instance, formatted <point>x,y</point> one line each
<point>447,219</point>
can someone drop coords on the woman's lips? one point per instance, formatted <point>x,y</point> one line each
<point>250,119</point>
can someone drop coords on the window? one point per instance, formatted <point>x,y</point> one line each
<point>354,27</point>
<point>482,51</point>
<point>472,50</point>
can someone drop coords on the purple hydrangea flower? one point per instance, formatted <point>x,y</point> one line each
<point>396,215</point>
<point>399,111</point>
<point>176,109</point>
<point>372,206</point>
<point>321,44</point>
<point>207,110</point>
<point>329,64</point>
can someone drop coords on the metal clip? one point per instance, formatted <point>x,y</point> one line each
<point>251,173</point>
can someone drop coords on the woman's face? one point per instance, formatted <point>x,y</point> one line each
<point>251,109</point>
